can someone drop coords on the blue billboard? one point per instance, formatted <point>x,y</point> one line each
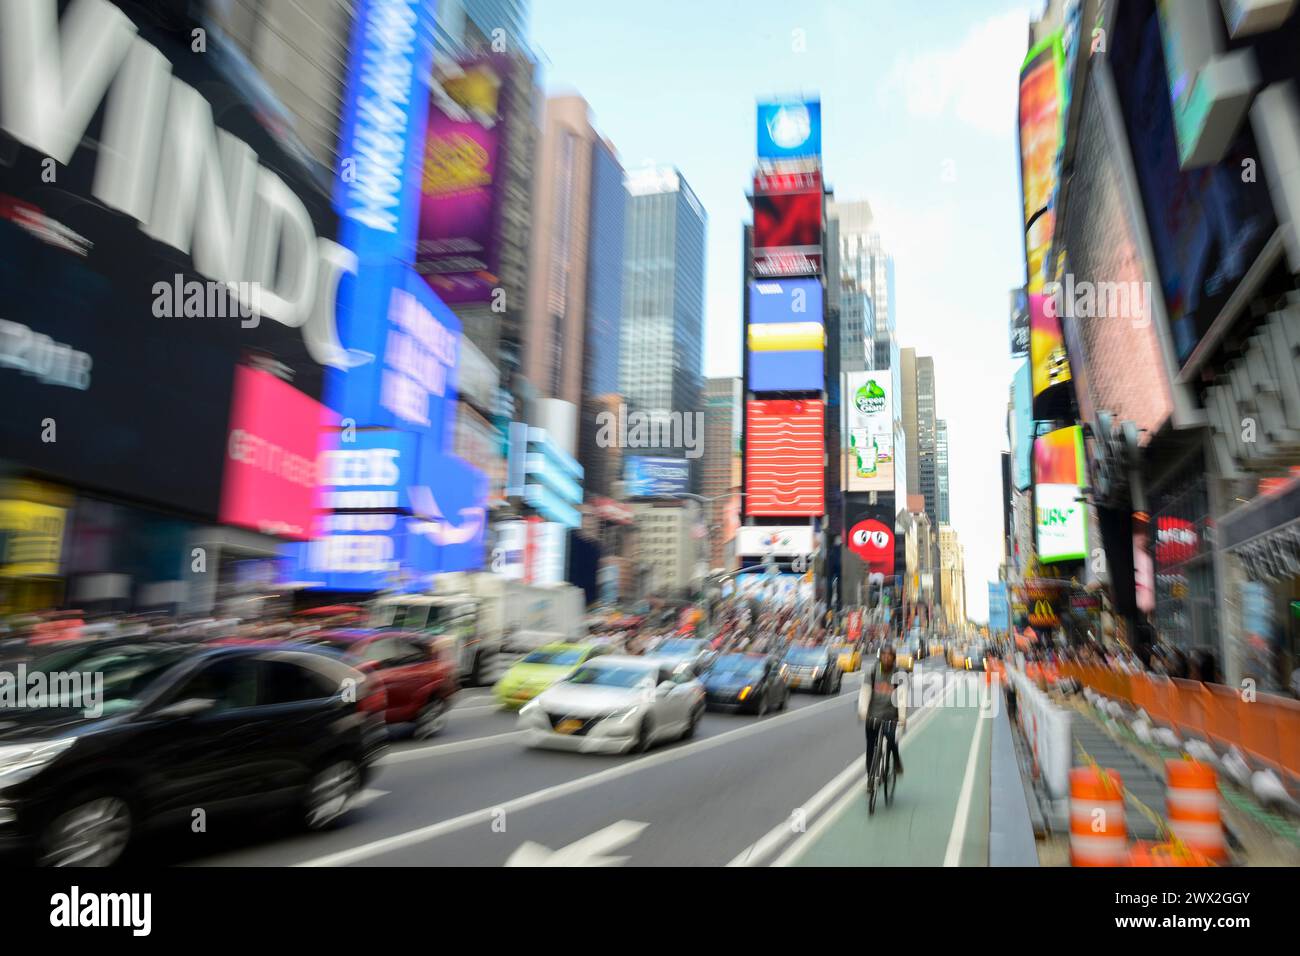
<point>999,607</point>
<point>1022,421</point>
<point>790,130</point>
<point>786,338</point>
<point>400,506</point>
<point>646,477</point>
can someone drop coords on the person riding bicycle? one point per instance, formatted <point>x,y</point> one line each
<point>882,703</point>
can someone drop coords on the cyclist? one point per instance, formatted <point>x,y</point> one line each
<point>882,703</point>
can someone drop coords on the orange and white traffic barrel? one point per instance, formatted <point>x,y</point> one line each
<point>1192,805</point>
<point>1098,835</point>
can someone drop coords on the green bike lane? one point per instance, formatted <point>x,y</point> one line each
<point>940,749</point>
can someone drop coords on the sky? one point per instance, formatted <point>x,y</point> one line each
<point>918,118</point>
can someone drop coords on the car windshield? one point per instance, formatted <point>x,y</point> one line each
<point>107,680</point>
<point>609,676</point>
<point>806,655</point>
<point>736,665</point>
<point>555,658</point>
<point>677,647</point>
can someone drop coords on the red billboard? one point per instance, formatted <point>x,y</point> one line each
<point>276,432</point>
<point>873,542</point>
<point>785,458</point>
<point>787,224</point>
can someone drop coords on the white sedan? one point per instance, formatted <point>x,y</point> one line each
<point>615,704</point>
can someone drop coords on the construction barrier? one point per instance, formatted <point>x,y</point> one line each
<point>1192,806</point>
<point>1266,728</point>
<point>1046,728</point>
<point>1098,833</point>
<point>1146,853</point>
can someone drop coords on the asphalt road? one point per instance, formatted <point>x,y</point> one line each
<point>783,789</point>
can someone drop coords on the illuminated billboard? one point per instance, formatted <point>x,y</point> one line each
<point>785,458</point>
<point>1040,141</point>
<point>787,224</point>
<point>460,189</point>
<point>786,540</point>
<point>1061,522</point>
<point>789,130</point>
<point>869,431</point>
<point>646,477</point>
<point>1019,322</point>
<point>270,482</point>
<point>1049,364</point>
<point>786,337</point>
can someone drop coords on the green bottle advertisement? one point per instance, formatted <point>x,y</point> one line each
<point>869,400</point>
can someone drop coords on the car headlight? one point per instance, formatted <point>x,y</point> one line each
<point>819,671</point>
<point>21,761</point>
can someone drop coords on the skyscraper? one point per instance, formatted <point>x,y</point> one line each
<point>661,359</point>
<point>927,465</point>
<point>941,469</point>
<point>907,359</point>
<point>720,466</point>
<point>578,212</point>
<point>866,269</point>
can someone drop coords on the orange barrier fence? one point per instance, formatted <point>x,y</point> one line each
<point>1267,728</point>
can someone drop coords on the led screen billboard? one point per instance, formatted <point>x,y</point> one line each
<point>1019,322</point>
<point>789,130</point>
<point>1022,433</point>
<point>1048,361</point>
<point>1207,225</point>
<point>787,236</point>
<point>272,449</point>
<point>1061,521</point>
<point>786,337</point>
<point>869,431</point>
<point>460,190</point>
<point>1040,140</point>
<point>872,541</point>
<point>785,458</point>
<point>759,541</point>
<point>647,477</point>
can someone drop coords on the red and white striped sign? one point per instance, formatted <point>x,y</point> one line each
<point>785,458</point>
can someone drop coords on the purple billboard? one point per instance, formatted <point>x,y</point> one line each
<point>456,251</point>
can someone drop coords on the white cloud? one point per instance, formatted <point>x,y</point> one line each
<point>974,82</point>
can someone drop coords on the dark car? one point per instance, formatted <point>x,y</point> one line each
<point>754,683</point>
<point>815,668</point>
<point>419,681</point>
<point>165,728</point>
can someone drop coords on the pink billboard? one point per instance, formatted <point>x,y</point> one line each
<point>459,186</point>
<point>275,437</point>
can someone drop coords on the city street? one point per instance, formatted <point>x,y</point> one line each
<point>780,790</point>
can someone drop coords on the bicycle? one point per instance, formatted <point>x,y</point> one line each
<point>882,770</point>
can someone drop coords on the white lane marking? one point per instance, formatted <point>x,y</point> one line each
<point>474,709</point>
<point>958,834</point>
<point>765,846</point>
<point>488,814</point>
<point>437,750</point>
<point>366,797</point>
<point>591,850</point>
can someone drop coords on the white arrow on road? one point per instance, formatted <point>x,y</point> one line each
<point>589,851</point>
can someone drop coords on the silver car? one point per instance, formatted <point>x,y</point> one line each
<point>615,704</point>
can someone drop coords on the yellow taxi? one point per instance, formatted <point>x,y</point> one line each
<point>850,657</point>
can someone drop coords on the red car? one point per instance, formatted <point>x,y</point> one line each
<point>419,681</point>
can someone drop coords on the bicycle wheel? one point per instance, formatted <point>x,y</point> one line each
<point>871,795</point>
